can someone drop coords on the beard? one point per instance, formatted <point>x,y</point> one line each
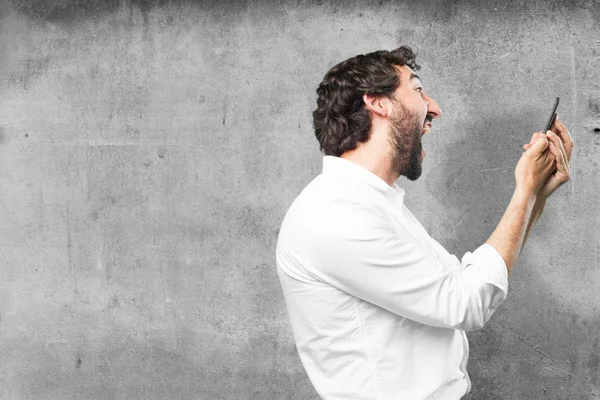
<point>405,131</point>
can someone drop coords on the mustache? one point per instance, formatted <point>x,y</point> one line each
<point>428,118</point>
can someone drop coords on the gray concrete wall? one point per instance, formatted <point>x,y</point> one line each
<point>149,150</point>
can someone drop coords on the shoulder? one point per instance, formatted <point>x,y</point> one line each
<point>329,212</point>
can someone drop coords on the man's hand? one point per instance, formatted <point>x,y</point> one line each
<point>534,167</point>
<point>561,145</point>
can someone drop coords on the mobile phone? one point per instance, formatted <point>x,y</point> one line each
<point>552,115</point>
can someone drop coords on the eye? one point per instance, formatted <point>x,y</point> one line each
<point>419,89</point>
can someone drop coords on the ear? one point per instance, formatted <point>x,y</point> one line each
<point>379,105</point>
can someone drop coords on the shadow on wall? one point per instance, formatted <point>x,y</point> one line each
<point>544,339</point>
<point>477,181</point>
<point>68,11</point>
<point>535,346</point>
<point>518,353</point>
<point>64,10</point>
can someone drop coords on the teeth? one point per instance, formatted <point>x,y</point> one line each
<point>426,129</point>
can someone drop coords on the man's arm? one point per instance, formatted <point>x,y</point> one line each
<point>509,235</point>
<point>538,208</point>
<point>532,171</point>
<point>354,246</point>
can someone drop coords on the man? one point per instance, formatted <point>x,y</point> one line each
<point>378,308</point>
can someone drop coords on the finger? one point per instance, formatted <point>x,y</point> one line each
<point>559,165</point>
<point>527,146</point>
<point>562,165</point>
<point>535,137</point>
<point>538,147</point>
<point>556,141</point>
<point>561,130</point>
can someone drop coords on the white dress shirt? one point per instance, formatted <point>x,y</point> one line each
<point>378,308</point>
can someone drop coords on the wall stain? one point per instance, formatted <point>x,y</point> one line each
<point>72,11</point>
<point>594,105</point>
<point>117,368</point>
<point>29,70</point>
<point>64,10</point>
<point>113,303</point>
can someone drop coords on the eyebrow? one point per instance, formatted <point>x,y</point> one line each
<point>414,76</point>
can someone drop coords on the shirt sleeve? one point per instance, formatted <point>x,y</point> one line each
<point>356,249</point>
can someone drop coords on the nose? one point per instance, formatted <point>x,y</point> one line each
<point>433,108</point>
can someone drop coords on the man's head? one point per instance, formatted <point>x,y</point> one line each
<point>375,90</point>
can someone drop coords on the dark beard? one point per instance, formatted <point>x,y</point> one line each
<point>405,138</point>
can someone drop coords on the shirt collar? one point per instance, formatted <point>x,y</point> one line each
<point>346,168</point>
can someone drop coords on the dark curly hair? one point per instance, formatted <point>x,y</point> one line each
<point>341,120</point>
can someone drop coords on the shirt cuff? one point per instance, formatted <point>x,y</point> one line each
<point>491,264</point>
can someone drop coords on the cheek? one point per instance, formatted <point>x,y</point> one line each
<point>419,107</point>
<point>419,112</point>
<point>423,108</point>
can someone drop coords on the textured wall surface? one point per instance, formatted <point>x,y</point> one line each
<point>149,150</point>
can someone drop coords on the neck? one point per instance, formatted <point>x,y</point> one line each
<point>375,156</point>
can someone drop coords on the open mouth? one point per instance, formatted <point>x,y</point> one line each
<point>426,127</point>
